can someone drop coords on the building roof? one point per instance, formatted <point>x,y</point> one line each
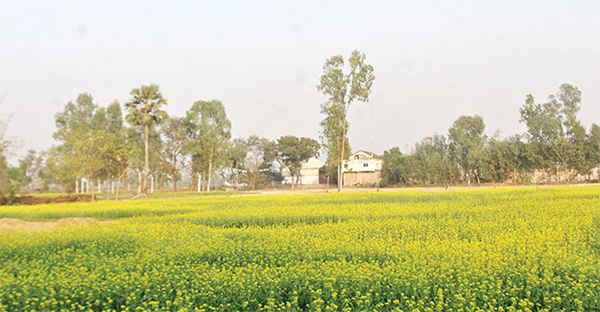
<point>368,153</point>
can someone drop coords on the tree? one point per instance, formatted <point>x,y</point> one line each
<point>466,142</point>
<point>496,159</point>
<point>294,152</point>
<point>592,148</point>
<point>209,125</point>
<point>342,89</point>
<point>5,145</point>
<point>175,140</point>
<point>237,156</point>
<point>394,168</point>
<point>74,131</point>
<point>255,157</point>
<point>145,110</point>
<point>432,158</point>
<point>90,140</point>
<point>119,158</point>
<point>558,138</point>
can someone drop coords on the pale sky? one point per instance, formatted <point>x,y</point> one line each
<point>434,61</point>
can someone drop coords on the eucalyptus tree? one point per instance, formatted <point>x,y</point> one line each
<point>210,131</point>
<point>237,157</point>
<point>496,159</point>
<point>145,110</point>
<point>90,140</point>
<point>592,147</point>
<point>394,170</point>
<point>5,145</point>
<point>68,160</point>
<point>175,135</point>
<point>466,143</point>
<point>256,150</point>
<point>342,89</point>
<point>553,129</point>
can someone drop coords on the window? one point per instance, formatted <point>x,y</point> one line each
<point>365,165</point>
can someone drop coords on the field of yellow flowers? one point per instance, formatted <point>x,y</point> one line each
<point>521,249</point>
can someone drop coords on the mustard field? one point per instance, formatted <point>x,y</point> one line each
<point>521,249</point>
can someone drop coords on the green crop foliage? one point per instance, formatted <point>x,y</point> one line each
<point>521,249</point>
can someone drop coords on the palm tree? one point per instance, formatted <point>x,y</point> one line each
<point>144,110</point>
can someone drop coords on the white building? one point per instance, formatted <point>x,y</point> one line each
<point>362,168</point>
<point>309,174</point>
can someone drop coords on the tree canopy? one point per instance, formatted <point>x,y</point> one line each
<point>342,89</point>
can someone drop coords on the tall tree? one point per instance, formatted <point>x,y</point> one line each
<point>342,89</point>
<point>554,131</point>
<point>496,159</point>
<point>90,139</point>
<point>394,170</point>
<point>175,133</point>
<point>467,141</point>
<point>5,144</point>
<point>208,122</point>
<point>237,156</point>
<point>294,152</point>
<point>592,148</point>
<point>255,157</point>
<point>144,110</point>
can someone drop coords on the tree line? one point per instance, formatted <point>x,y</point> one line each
<point>555,147</point>
<point>114,146</point>
<point>139,146</point>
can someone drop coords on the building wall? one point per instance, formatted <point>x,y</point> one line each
<point>364,165</point>
<point>361,178</point>
<point>362,162</point>
<point>309,174</point>
<point>362,168</point>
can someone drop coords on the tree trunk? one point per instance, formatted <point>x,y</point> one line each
<point>237,178</point>
<point>327,184</point>
<point>174,172</point>
<point>199,182</point>
<point>139,182</point>
<point>209,171</point>
<point>208,176</point>
<point>343,149</point>
<point>340,176</point>
<point>126,171</point>
<point>144,180</point>
<point>92,187</point>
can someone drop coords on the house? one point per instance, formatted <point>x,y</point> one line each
<point>362,168</point>
<point>309,174</point>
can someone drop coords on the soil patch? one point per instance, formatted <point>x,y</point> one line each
<point>8,224</point>
<point>36,200</point>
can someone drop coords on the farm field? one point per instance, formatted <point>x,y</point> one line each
<point>505,249</point>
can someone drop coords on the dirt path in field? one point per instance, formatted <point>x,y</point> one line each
<point>8,224</point>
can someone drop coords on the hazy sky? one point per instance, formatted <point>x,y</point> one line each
<point>433,61</point>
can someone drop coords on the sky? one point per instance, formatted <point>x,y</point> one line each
<point>433,61</point>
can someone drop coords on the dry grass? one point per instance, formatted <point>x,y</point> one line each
<point>8,224</point>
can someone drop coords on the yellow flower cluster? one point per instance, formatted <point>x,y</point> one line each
<point>521,249</point>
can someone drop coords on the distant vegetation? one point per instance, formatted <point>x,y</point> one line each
<point>143,148</point>
<point>555,146</point>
